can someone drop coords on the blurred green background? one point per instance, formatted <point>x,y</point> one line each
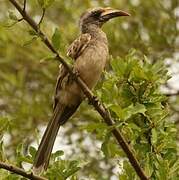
<point>27,82</point>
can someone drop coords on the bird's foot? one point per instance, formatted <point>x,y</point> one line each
<point>76,74</point>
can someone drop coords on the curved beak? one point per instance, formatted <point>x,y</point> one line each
<point>110,13</point>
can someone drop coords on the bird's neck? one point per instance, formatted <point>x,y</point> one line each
<point>95,32</point>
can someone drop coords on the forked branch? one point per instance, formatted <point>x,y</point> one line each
<point>20,171</point>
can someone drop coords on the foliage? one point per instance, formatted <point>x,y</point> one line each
<point>130,89</point>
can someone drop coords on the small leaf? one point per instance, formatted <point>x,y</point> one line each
<point>32,151</point>
<point>19,153</point>
<point>41,3</point>
<point>26,159</point>
<point>2,152</point>
<point>45,3</point>
<point>128,111</point>
<point>56,39</point>
<point>94,126</point>
<point>4,123</point>
<point>154,136</point>
<point>105,149</point>
<point>48,3</point>
<point>8,23</point>
<point>119,66</point>
<point>148,165</point>
<point>30,41</point>
<point>12,16</point>
<point>57,154</point>
<point>138,108</point>
<point>72,168</point>
<point>105,145</point>
<point>32,33</point>
<point>118,110</point>
<point>47,58</point>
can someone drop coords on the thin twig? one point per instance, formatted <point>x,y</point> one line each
<point>20,171</point>
<point>97,105</point>
<point>24,7</point>
<point>41,19</point>
<point>172,94</point>
<point>19,20</point>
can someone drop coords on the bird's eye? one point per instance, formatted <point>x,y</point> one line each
<point>97,13</point>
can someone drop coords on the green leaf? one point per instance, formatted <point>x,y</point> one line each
<point>56,38</point>
<point>119,66</point>
<point>13,16</point>
<point>138,74</point>
<point>19,153</point>
<point>47,58</point>
<point>8,23</point>
<point>26,159</point>
<point>32,33</point>
<point>30,41</point>
<point>109,148</point>
<point>148,165</point>
<point>57,154</point>
<point>71,169</point>
<point>41,3</point>
<point>2,152</point>
<point>45,3</point>
<point>4,123</point>
<point>163,169</point>
<point>129,111</point>
<point>94,126</point>
<point>154,136</point>
<point>105,146</point>
<point>118,110</point>
<point>32,151</point>
<point>74,177</point>
<point>123,177</point>
<point>49,2</point>
<point>175,168</point>
<point>138,108</point>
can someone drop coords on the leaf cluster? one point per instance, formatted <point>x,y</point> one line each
<point>131,91</point>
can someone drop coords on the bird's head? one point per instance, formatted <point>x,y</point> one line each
<point>98,16</point>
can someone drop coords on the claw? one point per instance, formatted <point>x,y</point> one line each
<point>76,73</point>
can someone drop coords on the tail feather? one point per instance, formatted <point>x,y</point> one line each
<point>60,116</point>
<point>46,145</point>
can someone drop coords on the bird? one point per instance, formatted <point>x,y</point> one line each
<point>90,55</point>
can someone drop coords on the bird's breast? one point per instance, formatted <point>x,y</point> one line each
<point>91,63</point>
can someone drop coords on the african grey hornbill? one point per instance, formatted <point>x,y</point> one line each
<point>90,53</point>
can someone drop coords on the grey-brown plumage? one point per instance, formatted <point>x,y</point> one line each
<point>90,53</point>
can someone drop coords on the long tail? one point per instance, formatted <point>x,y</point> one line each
<point>42,157</point>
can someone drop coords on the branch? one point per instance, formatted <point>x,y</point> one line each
<point>172,91</point>
<point>172,94</point>
<point>20,171</point>
<point>102,110</point>
<point>41,19</point>
<point>24,7</point>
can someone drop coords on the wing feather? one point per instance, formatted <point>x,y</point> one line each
<point>74,51</point>
<point>62,74</point>
<point>78,46</point>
